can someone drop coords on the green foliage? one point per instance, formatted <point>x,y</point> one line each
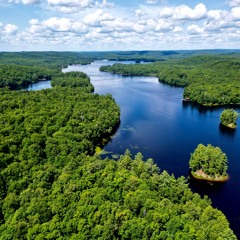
<point>73,79</point>
<point>53,123</point>
<point>15,76</point>
<point>208,79</point>
<point>56,60</point>
<point>211,160</point>
<point>229,117</point>
<point>91,198</point>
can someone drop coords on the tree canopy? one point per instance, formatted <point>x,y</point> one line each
<point>14,76</point>
<point>229,118</point>
<point>210,161</point>
<point>73,79</point>
<point>91,198</point>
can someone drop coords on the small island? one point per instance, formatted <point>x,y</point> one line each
<point>209,163</point>
<point>229,118</point>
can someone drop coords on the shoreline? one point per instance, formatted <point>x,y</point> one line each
<point>230,126</point>
<point>208,178</point>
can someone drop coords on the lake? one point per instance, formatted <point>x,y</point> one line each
<point>156,122</point>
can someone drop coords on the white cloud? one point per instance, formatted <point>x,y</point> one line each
<point>184,12</point>
<point>218,25</point>
<point>119,25</point>
<point>177,29</point>
<point>217,14</point>
<point>152,1</point>
<point>164,25</point>
<point>26,2</point>
<point>10,29</point>
<point>53,25</point>
<point>74,6</point>
<point>235,13</point>
<point>219,19</point>
<point>104,4</point>
<point>121,28</point>
<point>31,2</point>
<point>195,29</point>
<point>140,13</point>
<point>234,3</point>
<point>96,18</point>
<point>166,12</point>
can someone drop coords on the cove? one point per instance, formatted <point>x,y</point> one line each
<point>156,122</point>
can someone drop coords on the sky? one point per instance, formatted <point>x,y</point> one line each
<point>107,25</point>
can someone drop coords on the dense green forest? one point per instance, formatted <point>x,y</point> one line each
<point>229,118</point>
<point>14,76</point>
<point>44,59</point>
<point>209,162</point>
<point>73,79</point>
<point>208,79</point>
<point>55,186</point>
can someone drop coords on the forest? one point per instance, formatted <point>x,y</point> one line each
<point>73,79</point>
<point>209,80</point>
<point>14,76</point>
<point>55,186</point>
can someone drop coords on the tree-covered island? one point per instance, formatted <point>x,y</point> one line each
<point>209,163</point>
<point>229,118</point>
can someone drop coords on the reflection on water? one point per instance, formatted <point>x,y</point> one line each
<point>39,85</point>
<point>227,131</point>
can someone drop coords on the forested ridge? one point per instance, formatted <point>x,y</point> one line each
<point>44,59</point>
<point>54,185</point>
<point>208,79</point>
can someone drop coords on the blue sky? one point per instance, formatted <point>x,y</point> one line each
<point>85,25</point>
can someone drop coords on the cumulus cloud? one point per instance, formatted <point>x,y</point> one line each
<point>97,27</point>
<point>104,4</point>
<point>31,2</point>
<point>177,29</point>
<point>8,29</point>
<point>55,25</point>
<point>26,2</point>
<point>152,1</point>
<point>96,18</point>
<point>236,13</point>
<point>220,19</point>
<point>234,3</point>
<point>71,3</point>
<point>73,6</point>
<point>217,14</point>
<point>140,13</point>
<point>195,29</point>
<point>166,12</point>
<point>164,25</point>
<point>184,12</point>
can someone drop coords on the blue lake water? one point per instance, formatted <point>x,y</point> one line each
<point>156,122</point>
<point>39,85</point>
